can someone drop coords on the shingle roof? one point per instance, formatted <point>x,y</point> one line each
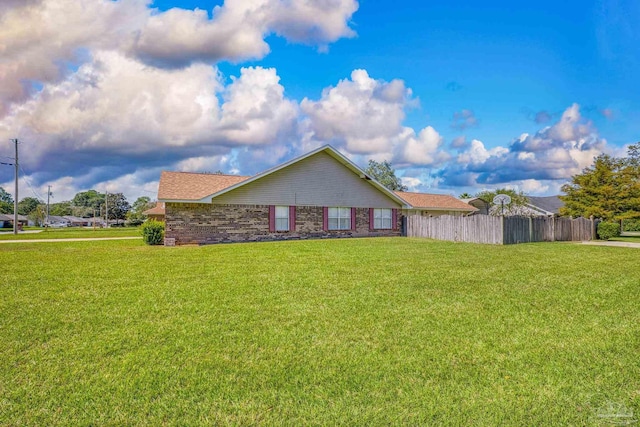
<point>551,204</point>
<point>158,209</point>
<point>435,201</point>
<point>194,186</point>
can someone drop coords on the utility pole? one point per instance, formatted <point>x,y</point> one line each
<point>106,208</point>
<point>15,201</point>
<point>48,195</point>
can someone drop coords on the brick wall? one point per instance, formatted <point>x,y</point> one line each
<point>207,223</point>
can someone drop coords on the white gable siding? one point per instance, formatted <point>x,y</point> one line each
<point>319,180</point>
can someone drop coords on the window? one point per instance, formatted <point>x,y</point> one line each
<point>339,218</point>
<point>382,219</point>
<point>282,218</point>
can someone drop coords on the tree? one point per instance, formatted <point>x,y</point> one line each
<point>60,209</point>
<point>86,203</point>
<point>6,202</point>
<point>518,205</point>
<point>609,189</point>
<point>28,205</point>
<point>135,216</point>
<point>385,175</point>
<point>465,196</point>
<point>118,206</point>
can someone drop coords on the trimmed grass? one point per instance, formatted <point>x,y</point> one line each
<point>324,332</point>
<point>73,233</point>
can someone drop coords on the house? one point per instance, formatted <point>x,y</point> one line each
<point>156,212</point>
<point>545,206</point>
<point>317,195</point>
<point>482,206</point>
<point>6,220</point>
<point>425,204</point>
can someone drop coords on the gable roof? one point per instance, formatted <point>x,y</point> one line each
<point>435,202</point>
<point>189,186</point>
<point>550,204</point>
<point>202,188</point>
<point>158,209</point>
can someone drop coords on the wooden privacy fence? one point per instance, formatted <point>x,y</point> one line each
<point>500,230</point>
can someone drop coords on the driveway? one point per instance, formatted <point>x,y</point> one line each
<point>608,243</point>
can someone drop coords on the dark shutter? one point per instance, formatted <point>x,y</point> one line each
<point>353,219</point>
<point>394,219</point>
<point>292,218</point>
<point>272,219</point>
<point>325,218</point>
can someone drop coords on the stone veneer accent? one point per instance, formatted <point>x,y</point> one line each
<point>195,223</point>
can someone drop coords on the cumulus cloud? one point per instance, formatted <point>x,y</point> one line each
<point>361,115</point>
<point>39,40</point>
<point>255,111</point>
<point>554,153</point>
<point>115,113</point>
<point>424,149</point>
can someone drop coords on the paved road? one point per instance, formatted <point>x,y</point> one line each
<point>89,239</point>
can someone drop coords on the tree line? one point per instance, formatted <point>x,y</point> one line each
<point>85,204</point>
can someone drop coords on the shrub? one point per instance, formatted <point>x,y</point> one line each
<point>631,225</point>
<point>608,230</point>
<point>153,232</point>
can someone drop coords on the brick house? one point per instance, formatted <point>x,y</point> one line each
<point>320,194</point>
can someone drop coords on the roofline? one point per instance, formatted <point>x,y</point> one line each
<point>539,209</point>
<point>434,208</point>
<point>329,150</point>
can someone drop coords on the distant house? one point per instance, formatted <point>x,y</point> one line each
<point>318,195</point>
<point>425,204</point>
<point>6,220</point>
<point>482,206</point>
<point>545,206</point>
<point>156,212</point>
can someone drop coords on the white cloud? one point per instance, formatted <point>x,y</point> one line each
<point>361,115</point>
<point>39,40</point>
<point>425,149</point>
<point>554,153</point>
<point>255,111</point>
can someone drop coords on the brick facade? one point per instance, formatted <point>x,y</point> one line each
<point>194,223</point>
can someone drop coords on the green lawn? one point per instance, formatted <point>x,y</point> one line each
<point>73,233</point>
<point>324,332</point>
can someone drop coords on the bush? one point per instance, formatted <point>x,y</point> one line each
<point>631,224</point>
<point>153,232</point>
<point>608,230</point>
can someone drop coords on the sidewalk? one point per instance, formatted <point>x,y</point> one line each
<point>83,239</point>
<point>607,243</point>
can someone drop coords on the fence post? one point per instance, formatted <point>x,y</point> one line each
<point>553,228</point>
<point>502,228</point>
<point>593,228</point>
<point>530,229</point>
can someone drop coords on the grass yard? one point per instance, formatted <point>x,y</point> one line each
<point>324,332</point>
<point>73,233</point>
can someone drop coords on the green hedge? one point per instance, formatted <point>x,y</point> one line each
<point>608,230</point>
<point>631,225</point>
<point>153,232</point>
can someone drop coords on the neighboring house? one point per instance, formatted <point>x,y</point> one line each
<point>58,221</point>
<point>545,206</point>
<point>482,206</point>
<point>320,194</point>
<point>425,204</point>
<point>74,221</point>
<point>156,212</point>
<point>6,220</point>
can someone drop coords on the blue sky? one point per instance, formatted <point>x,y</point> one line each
<point>460,97</point>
